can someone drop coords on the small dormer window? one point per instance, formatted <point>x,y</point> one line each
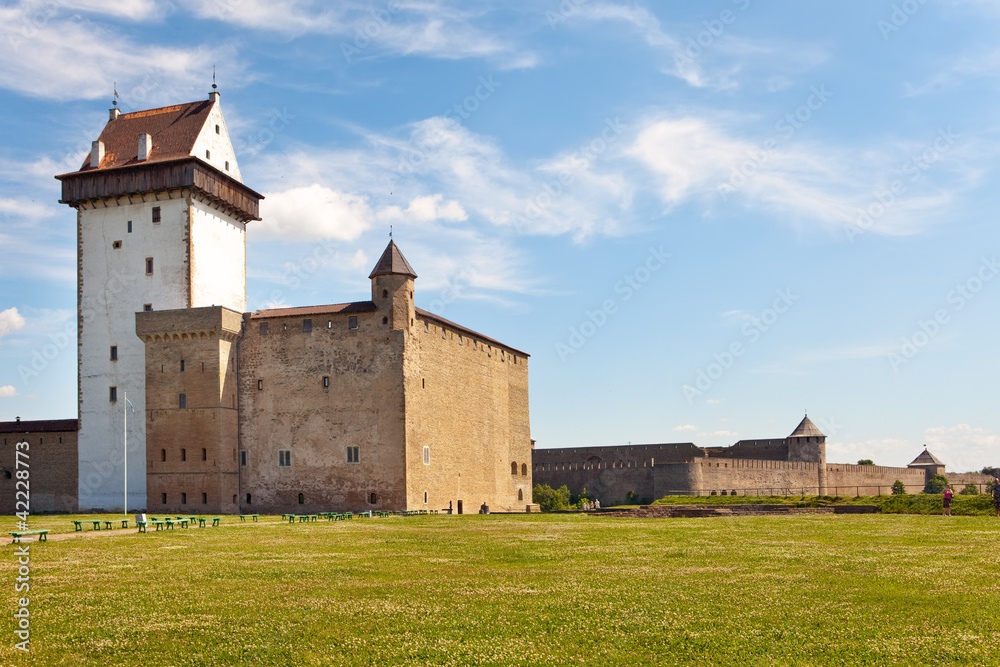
<point>227,165</point>
<point>208,155</point>
<point>217,129</point>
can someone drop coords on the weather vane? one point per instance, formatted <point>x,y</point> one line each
<point>390,231</point>
<point>213,78</point>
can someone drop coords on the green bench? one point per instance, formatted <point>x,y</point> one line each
<point>42,535</point>
<point>307,517</point>
<point>161,524</point>
<point>215,521</point>
<point>243,517</point>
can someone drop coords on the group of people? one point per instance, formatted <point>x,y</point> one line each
<point>589,505</point>
<point>994,488</point>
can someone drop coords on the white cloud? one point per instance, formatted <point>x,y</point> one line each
<point>692,157</point>
<point>720,434</point>
<point>709,58</point>
<point>686,427</point>
<point>963,448</point>
<point>715,401</point>
<point>134,10</point>
<point>288,17</point>
<point>572,193</point>
<point>426,28</point>
<point>984,63</point>
<point>63,57</point>
<point>23,208</point>
<point>425,209</point>
<point>10,321</point>
<point>311,213</point>
<point>894,452</point>
<point>8,391</point>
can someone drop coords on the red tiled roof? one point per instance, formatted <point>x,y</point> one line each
<point>174,130</point>
<point>355,307</point>
<point>39,426</point>
<point>459,327</point>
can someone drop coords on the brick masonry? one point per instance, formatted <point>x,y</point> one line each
<point>363,406</point>
<point>52,460</point>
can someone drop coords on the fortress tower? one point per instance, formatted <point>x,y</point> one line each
<point>807,443</point>
<point>161,215</point>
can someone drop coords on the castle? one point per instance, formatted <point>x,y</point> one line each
<point>374,404</point>
<point>371,405</point>
<point>777,466</point>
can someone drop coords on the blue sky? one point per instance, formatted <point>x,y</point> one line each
<point>700,219</point>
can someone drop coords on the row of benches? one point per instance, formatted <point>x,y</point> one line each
<point>168,523</point>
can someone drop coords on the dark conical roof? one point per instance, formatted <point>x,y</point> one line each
<point>926,459</point>
<point>806,428</point>
<point>392,261</point>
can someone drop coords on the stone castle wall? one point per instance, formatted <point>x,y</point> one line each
<point>191,450</point>
<point>286,405</point>
<point>610,473</point>
<point>52,466</point>
<point>467,402</point>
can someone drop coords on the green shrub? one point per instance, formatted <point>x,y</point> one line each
<point>550,499</point>
<point>898,488</point>
<point>866,462</point>
<point>936,484</point>
<point>969,490</point>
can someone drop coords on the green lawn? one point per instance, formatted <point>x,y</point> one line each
<point>523,590</point>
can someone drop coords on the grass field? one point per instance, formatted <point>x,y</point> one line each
<point>519,590</point>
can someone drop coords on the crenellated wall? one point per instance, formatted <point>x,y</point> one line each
<point>611,473</point>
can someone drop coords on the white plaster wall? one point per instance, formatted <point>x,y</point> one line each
<point>219,146</point>
<point>218,259</point>
<point>114,288</point>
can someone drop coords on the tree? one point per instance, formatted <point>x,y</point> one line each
<point>898,488</point>
<point>936,484</point>
<point>969,490</point>
<point>550,499</point>
<point>866,462</point>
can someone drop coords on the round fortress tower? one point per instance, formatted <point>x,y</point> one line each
<point>808,444</point>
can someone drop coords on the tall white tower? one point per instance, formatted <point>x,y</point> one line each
<point>161,215</point>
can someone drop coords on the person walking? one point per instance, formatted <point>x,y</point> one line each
<point>996,495</point>
<point>948,495</point>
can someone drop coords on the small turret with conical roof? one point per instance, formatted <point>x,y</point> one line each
<point>808,444</point>
<point>392,289</point>
<point>931,464</point>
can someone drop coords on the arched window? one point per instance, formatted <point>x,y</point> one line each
<point>234,498</point>
<point>385,293</point>
<point>373,499</point>
<point>524,470</point>
<point>513,467</point>
<point>248,499</point>
<point>425,497</point>
<point>302,499</point>
<point>163,455</point>
<point>520,494</point>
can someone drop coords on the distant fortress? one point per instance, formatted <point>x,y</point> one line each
<point>777,466</point>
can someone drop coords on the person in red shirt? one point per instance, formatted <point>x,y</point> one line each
<point>948,494</point>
